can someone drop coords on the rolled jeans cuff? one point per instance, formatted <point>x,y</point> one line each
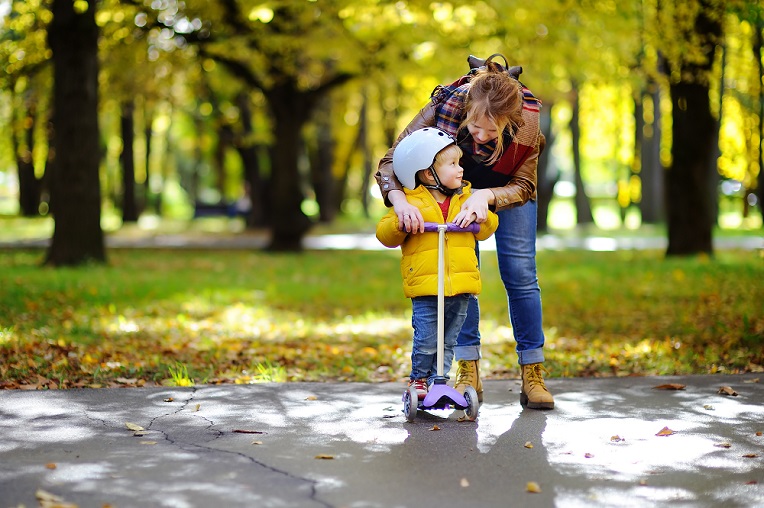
<point>467,353</point>
<point>530,356</point>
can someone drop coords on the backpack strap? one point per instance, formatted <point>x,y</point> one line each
<point>475,63</point>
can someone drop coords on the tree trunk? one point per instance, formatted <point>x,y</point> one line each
<point>30,186</point>
<point>651,205</point>
<point>759,54</point>
<point>548,175</point>
<point>288,222</point>
<point>127,161</point>
<point>148,133</point>
<point>690,198</point>
<point>322,161</point>
<point>690,211</point>
<point>73,39</point>
<point>363,143</point>
<point>248,151</point>
<point>225,141</point>
<point>583,207</point>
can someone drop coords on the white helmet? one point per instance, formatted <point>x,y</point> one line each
<point>417,151</point>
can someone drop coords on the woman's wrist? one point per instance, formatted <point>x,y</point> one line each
<point>396,196</point>
<point>488,195</point>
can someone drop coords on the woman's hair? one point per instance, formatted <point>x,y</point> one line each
<point>497,96</point>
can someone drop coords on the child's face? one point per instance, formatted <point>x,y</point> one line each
<point>449,170</point>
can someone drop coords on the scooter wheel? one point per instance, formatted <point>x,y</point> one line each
<point>471,396</point>
<point>410,402</point>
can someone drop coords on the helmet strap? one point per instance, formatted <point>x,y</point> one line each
<point>438,185</point>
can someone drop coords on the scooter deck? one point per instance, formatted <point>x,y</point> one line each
<point>442,397</point>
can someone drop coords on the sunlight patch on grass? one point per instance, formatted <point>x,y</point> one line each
<point>228,316</point>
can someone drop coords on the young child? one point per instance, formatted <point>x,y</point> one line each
<point>426,162</point>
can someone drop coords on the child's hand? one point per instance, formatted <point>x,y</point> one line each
<point>475,209</point>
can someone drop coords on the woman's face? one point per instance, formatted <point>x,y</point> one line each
<point>483,130</point>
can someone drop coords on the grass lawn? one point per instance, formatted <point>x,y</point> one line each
<point>183,317</point>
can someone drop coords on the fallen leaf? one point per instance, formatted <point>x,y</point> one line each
<point>50,465</point>
<point>169,399</point>
<point>257,442</point>
<point>244,431</point>
<point>435,427</point>
<point>643,482</point>
<point>727,390</point>
<point>464,482</point>
<point>198,406</point>
<point>139,433</point>
<point>754,380</point>
<point>149,442</point>
<point>670,386</point>
<point>750,456</point>
<point>723,445</point>
<point>48,500</point>
<point>325,457</point>
<point>665,431</point>
<point>533,487</point>
<point>133,426</point>
<point>311,397</point>
<point>589,455</point>
<point>617,439</point>
<point>758,433</point>
<point>528,445</point>
<point>752,482</point>
<point>709,407</point>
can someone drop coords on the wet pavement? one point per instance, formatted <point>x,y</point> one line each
<point>348,445</point>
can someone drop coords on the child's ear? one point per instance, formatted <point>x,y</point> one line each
<point>427,175</point>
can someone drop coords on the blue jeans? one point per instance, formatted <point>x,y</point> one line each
<point>424,319</point>
<point>516,252</point>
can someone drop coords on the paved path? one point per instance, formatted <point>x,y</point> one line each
<point>348,445</point>
<point>369,242</point>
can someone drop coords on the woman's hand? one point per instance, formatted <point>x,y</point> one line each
<point>475,209</point>
<point>409,217</point>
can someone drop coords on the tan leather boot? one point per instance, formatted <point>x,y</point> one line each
<point>534,393</point>
<point>468,374</point>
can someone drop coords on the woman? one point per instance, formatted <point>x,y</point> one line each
<point>495,120</point>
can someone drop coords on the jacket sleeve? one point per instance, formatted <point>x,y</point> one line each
<point>522,187</point>
<point>388,233</point>
<point>488,227</point>
<point>385,177</point>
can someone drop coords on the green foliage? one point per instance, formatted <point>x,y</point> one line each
<point>178,317</point>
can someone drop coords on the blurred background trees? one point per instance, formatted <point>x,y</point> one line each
<point>279,112</point>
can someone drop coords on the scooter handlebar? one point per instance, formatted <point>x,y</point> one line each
<point>432,227</point>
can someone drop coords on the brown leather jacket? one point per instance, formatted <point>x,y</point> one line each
<point>520,189</point>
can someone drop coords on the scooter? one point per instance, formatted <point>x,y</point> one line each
<point>440,395</point>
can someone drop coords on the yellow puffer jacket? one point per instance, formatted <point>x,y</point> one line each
<point>419,265</point>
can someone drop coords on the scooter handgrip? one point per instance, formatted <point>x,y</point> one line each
<point>432,227</point>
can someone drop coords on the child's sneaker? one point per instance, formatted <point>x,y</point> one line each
<point>421,387</point>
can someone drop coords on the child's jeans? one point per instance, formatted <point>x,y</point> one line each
<point>424,319</point>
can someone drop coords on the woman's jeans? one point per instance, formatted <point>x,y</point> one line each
<point>424,319</point>
<point>516,252</point>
